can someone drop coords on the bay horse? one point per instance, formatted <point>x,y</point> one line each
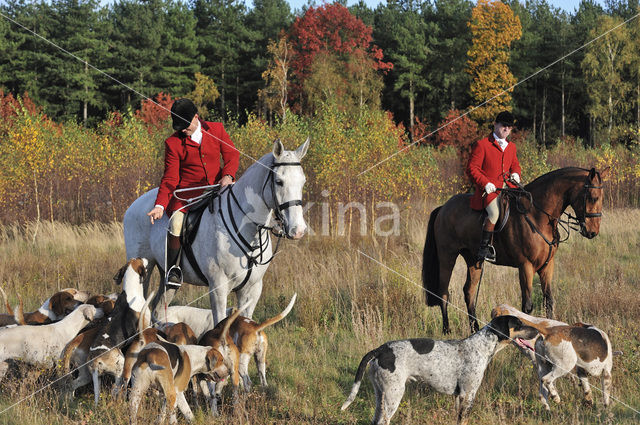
<point>528,241</point>
<point>232,247</point>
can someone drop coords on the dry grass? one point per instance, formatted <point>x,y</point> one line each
<point>347,305</point>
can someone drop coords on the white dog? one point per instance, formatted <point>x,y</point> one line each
<point>42,345</point>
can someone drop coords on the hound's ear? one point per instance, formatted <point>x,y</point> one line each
<point>57,302</point>
<point>120,275</point>
<point>302,150</point>
<point>278,149</point>
<point>501,324</point>
<point>604,174</point>
<point>140,267</point>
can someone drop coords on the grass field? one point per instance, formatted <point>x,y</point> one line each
<point>348,304</point>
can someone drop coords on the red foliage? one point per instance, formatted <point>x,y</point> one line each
<point>420,133</point>
<point>459,131</point>
<point>9,105</point>
<point>331,28</point>
<point>155,113</point>
<point>113,120</point>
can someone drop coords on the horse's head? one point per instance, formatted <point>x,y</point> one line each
<point>287,182</point>
<point>587,203</point>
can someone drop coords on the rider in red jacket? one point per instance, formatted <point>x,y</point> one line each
<point>191,159</point>
<point>493,164</point>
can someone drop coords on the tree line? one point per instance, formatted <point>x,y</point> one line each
<point>418,60</point>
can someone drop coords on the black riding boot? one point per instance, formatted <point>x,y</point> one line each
<point>173,260</point>
<point>486,251</point>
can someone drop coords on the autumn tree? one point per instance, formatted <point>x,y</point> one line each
<point>154,113</point>
<point>604,66</point>
<point>330,28</point>
<point>493,27</point>
<point>276,76</point>
<point>204,94</point>
<point>267,20</point>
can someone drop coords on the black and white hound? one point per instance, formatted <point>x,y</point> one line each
<point>453,367</point>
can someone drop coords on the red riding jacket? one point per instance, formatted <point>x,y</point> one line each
<point>488,163</point>
<point>189,164</point>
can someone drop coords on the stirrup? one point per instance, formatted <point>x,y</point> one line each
<point>487,253</point>
<point>177,275</point>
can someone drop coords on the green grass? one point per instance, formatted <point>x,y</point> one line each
<point>347,305</point>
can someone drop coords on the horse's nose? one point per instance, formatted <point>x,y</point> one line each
<point>298,232</point>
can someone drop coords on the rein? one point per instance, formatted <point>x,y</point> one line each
<point>519,192</point>
<point>263,240</point>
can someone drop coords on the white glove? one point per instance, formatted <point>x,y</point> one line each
<point>490,188</point>
<point>515,177</point>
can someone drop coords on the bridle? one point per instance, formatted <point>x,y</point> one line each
<point>579,223</point>
<point>279,208</point>
<point>255,253</point>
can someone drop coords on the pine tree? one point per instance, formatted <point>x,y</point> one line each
<point>222,38</point>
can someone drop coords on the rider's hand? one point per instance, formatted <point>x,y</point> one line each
<point>225,180</point>
<point>156,213</point>
<point>515,177</point>
<point>490,188</point>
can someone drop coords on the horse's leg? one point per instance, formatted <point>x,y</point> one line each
<point>218,298</point>
<point>546,275</point>
<point>447,262</point>
<point>470,289</point>
<point>525,272</point>
<point>251,296</point>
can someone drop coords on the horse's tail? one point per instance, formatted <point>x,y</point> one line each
<point>431,265</point>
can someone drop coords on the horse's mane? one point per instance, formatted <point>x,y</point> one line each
<point>547,179</point>
<point>267,160</point>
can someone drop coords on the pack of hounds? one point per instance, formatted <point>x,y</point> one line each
<point>116,335</point>
<point>112,335</point>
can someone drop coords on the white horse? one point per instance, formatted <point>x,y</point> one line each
<point>232,247</point>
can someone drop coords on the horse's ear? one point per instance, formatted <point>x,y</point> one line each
<point>302,150</point>
<point>604,174</point>
<point>278,149</point>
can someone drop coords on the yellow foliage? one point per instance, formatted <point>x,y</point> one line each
<point>493,27</point>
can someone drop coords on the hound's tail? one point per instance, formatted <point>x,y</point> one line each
<point>6,302</point>
<point>279,317</point>
<point>142,323</point>
<point>431,265</point>
<point>229,322</point>
<point>19,313</point>
<point>356,384</point>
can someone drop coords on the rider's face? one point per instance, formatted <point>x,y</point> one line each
<point>192,127</point>
<point>501,130</point>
